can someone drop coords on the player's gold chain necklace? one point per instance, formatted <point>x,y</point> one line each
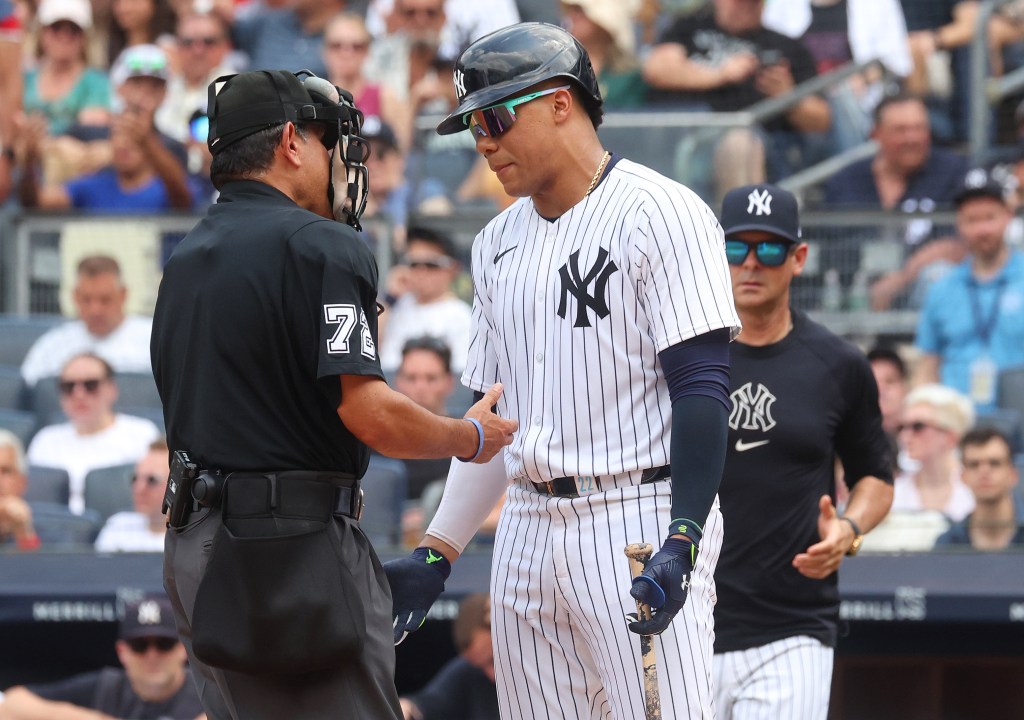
<point>597,175</point>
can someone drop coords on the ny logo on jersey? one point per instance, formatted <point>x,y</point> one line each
<point>460,84</point>
<point>573,282</point>
<point>759,202</point>
<point>752,409</point>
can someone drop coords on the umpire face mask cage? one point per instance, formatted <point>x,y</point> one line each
<point>243,104</point>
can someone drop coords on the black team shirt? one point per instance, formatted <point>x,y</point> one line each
<point>796,405</point>
<point>260,309</point>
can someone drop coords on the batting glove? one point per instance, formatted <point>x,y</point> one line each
<point>416,582</point>
<point>664,585</point>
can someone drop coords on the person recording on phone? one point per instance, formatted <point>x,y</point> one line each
<point>727,61</point>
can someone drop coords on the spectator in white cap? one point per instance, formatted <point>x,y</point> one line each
<point>61,88</point>
<point>605,28</point>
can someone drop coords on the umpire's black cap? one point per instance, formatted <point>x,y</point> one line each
<point>761,207</point>
<point>979,182</point>
<point>249,102</point>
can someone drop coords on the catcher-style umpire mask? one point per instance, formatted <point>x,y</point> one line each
<point>243,104</point>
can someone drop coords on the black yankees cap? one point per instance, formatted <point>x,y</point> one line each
<point>979,182</point>
<point>761,207</point>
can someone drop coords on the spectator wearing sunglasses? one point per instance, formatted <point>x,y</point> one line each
<point>203,43</point>
<point>141,529</point>
<point>800,396</point>
<point>152,684</point>
<point>929,492</point>
<point>426,303</point>
<point>997,521</point>
<point>94,436</point>
<point>103,326</point>
<point>289,35</point>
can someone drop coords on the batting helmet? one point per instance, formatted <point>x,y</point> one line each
<point>505,62</point>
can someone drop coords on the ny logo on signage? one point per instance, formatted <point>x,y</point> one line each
<point>460,84</point>
<point>752,409</point>
<point>573,282</point>
<point>759,202</point>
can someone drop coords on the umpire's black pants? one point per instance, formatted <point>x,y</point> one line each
<point>363,690</point>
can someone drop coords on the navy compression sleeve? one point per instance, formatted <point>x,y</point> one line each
<point>697,372</point>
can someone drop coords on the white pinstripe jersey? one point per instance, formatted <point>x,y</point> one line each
<point>569,315</point>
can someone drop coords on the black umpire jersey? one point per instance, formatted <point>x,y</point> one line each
<point>261,307</point>
<point>796,405</point>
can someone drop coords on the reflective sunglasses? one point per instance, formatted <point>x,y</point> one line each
<point>151,480</point>
<point>770,253</point>
<point>497,119</point>
<point>143,644</point>
<point>67,387</point>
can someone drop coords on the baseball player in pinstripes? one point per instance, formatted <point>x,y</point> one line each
<point>800,398</point>
<point>603,304</point>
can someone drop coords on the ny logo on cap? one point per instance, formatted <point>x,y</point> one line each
<point>460,84</point>
<point>761,202</point>
<point>149,613</point>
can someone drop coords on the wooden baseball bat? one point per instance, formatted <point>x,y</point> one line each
<point>638,555</point>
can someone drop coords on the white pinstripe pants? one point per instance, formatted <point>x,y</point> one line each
<point>560,590</point>
<point>789,679</point>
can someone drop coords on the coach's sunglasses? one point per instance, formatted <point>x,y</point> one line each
<point>770,253</point>
<point>497,119</point>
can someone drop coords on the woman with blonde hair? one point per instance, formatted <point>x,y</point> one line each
<point>928,494</point>
<point>934,419</point>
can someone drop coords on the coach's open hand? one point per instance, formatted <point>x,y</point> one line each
<point>664,585</point>
<point>416,582</point>
<point>497,430</point>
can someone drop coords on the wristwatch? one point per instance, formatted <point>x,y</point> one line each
<point>858,536</point>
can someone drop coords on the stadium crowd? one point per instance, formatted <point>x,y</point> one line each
<point>103,111</point>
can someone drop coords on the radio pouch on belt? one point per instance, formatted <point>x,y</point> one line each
<point>178,494</point>
<point>276,596</point>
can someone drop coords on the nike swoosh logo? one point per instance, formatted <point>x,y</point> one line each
<point>503,253</point>
<point>744,446</point>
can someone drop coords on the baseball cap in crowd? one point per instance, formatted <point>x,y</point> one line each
<point>380,134</point>
<point>140,61</point>
<point>761,207</point>
<point>150,617</point>
<point>979,182</point>
<point>77,11</point>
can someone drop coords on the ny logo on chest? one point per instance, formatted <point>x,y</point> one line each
<point>578,284</point>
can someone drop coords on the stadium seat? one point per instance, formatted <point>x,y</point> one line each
<point>108,490</point>
<point>20,422</point>
<point>460,401</point>
<point>56,525</point>
<point>1010,390</point>
<point>136,390</point>
<point>44,401</point>
<point>12,389</point>
<point>154,414</point>
<point>49,485</point>
<point>20,332</point>
<point>1007,422</point>
<point>384,491</point>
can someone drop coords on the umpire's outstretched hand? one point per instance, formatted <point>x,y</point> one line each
<point>497,430</point>
<point>664,585</point>
<point>416,582</point>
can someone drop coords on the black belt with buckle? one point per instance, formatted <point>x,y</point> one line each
<point>566,486</point>
<point>295,493</point>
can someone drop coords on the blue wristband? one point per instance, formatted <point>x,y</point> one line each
<point>480,447</point>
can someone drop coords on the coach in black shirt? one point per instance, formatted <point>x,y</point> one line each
<point>800,397</point>
<point>264,352</point>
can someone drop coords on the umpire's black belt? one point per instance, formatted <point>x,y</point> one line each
<point>294,493</point>
<point>569,486</point>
